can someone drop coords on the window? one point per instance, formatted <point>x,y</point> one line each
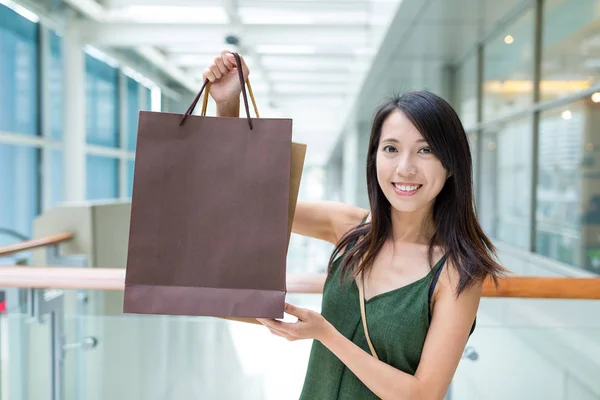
<point>467,87</point>
<point>130,171</point>
<point>133,107</point>
<point>508,69</point>
<point>18,73</point>
<point>505,194</point>
<point>56,177</point>
<point>569,51</point>
<point>568,201</point>
<point>19,183</point>
<point>102,103</point>
<point>55,87</point>
<point>102,177</point>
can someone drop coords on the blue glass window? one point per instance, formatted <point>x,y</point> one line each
<point>102,177</point>
<point>18,73</point>
<point>19,185</point>
<point>130,170</point>
<point>56,177</point>
<point>55,87</point>
<point>101,103</point>
<point>133,106</point>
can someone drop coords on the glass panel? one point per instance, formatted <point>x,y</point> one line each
<point>185,358</point>
<point>102,103</point>
<point>55,86</point>
<point>467,86</point>
<point>25,358</point>
<point>102,177</point>
<point>505,194</point>
<point>523,363</point>
<point>19,189</point>
<point>190,357</point>
<point>130,172</point>
<point>56,177</point>
<point>18,73</point>
<point>508,69</point>
<point>570,54</point>
<point>568,195</point>
<point>133,106</point>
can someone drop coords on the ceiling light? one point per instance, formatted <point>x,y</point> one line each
<point>168,14</point>
<point>596,97</point>
<point>566,114</point>
<point>280,49</point>
<point>508,39</point>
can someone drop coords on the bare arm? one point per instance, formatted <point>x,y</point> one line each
<point>326,220</point>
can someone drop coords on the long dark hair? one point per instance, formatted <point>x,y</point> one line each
<point>457,230</point>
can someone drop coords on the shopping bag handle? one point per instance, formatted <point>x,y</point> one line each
<point>206,85</point>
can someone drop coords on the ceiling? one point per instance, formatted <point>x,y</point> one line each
<point>424,37</point>
<point>307,57</point>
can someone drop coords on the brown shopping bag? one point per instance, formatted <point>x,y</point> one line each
<point>212,206</point>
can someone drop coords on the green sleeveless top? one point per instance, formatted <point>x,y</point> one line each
<point>397,320</point>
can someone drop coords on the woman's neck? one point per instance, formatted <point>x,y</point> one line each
<point>414,227</point>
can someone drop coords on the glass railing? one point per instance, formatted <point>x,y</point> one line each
<point>521,350</point>
<point>533,341</point>
<point>525,362</point>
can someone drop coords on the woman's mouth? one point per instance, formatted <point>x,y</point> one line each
<point>406,189</point>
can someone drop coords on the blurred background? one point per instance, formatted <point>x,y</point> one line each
<point>523,75</point>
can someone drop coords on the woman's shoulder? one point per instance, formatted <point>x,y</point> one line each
<point>347,218</point>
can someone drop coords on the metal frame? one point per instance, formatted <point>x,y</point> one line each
<point>537,74</point>
<point>479,112</point>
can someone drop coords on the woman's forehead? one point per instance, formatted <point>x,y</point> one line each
<point>397,127</point>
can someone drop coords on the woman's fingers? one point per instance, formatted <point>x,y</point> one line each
<point>208,74</point>
<point>215,70</point>
<point>228,59</point>
<point>221,65</point>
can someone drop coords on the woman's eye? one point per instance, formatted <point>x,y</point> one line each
<point>389,149</point>
<point>425,150</point>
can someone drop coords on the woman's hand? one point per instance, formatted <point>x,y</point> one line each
<point>224,77</point>
<point>310,325</point>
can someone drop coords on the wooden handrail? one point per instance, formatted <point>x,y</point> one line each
<point>114,278</point>
<point>35,243</point>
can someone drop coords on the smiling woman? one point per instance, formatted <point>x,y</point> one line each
<point>405,277</point>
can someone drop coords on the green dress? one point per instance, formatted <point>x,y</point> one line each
<point>398,321</point>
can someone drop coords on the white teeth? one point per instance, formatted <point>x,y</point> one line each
<point>406,188</point>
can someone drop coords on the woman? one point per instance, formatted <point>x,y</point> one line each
<point>419,255</point>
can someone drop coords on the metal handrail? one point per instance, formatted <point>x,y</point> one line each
<point>35,243</point>
<point>114,279</point>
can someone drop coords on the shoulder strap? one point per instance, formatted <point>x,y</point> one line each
<point>434,280</point>
<point>363,315</point>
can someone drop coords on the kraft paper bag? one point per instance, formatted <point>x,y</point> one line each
<point>211,214</point>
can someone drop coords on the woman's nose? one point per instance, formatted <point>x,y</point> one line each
<point>406,166</point>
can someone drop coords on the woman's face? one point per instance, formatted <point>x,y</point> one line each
<point>408,173</point>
